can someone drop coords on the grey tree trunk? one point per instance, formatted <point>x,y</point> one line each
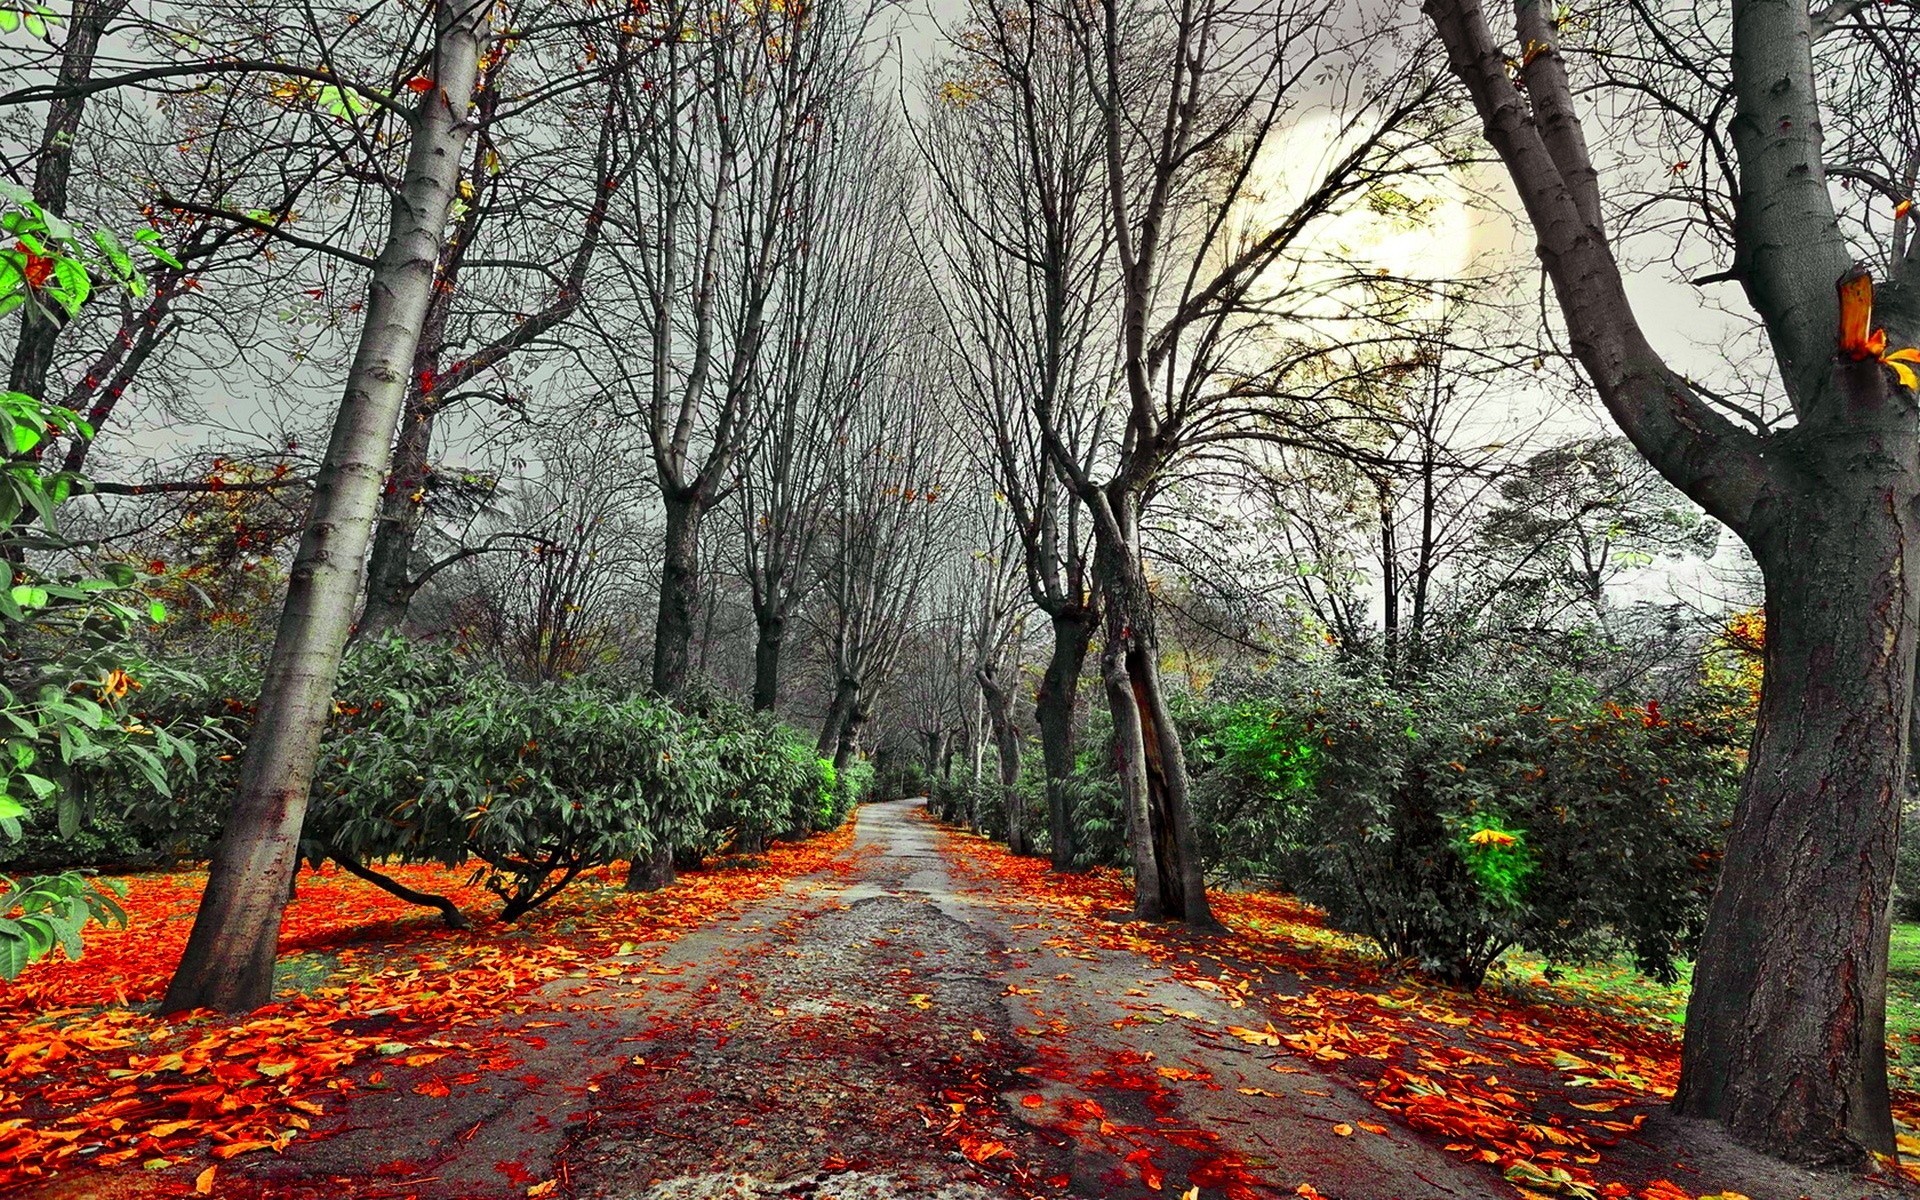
<point>679,595</point>
<point>1053,710</point>
<point>228,963</point>
<point>52,173</point>
<point>1152,766</point>
<point>1786,1033</point>
<point>1006,740</point>
<point>845,693</point>
<point>389,567</point>
<point>770,636</point>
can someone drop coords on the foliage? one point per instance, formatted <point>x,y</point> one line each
<point>63,636</point>
<point>772,782</point>
<point>434,757</point>
<point>1500,809</point>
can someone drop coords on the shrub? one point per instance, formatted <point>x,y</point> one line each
<point>1494,810</point>
<point>437,758</point>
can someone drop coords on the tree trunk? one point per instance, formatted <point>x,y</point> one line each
<point>228,963</point>
<point>679,594</point>
<point>651,871</point>
<point>1152,766</point>
<point>1130,765</point>
<point>52,172</point>
<point>845,693</point>
<point>1053,710</point>
<point>1785,1037</point>
<point>389,573</point>
<point>772,632</point>
<point>1006,738</point>
<point>1183,885</point>
<point>849,745</point>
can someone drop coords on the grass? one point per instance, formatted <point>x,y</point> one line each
<point>1615,986</point>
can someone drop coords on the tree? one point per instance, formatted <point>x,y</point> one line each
<point>732,111</point>
<point>838,297</point>
<point>1015,145</point>
<point>460,351</point>
<point>228,962</point>
<point>1214,283</point>
<point>1785,1027</point>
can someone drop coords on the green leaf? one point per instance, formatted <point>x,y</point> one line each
<point>11,808</point>
<point>157,611</point>
<point>9,21</point>
<point>27,596</point>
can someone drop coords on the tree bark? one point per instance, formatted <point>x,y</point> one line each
<point>651,871</point>
<point>845,693</point>
<point>52,173</point>
<point>771,633</point>
<point>1053,711</point>
<point>389,573</point>
<point>1006,739</point>
<point>679,595</point>
<point>228,963</point>
<point>1785,1037</point>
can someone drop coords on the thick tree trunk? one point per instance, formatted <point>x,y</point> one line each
<point>771,635</point>
<point>1183,885</point>
<point>1785,1033</point>
<point>1130,765</point>
<point>845,693</point>
<point>228,963</point>
<point>1053,710</point>
<point>1152,766</point>
<point>651,871</point>
<point>389,573</point>
<point>1006,740</point>
<point>849,744</point>
<point>679,595</point>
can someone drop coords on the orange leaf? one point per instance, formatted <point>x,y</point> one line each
<point>203,1182</point>
<point>1856,313</point>
<point>1343,1129</point>
<point>233,1148</point>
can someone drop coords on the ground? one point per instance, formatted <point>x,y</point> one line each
<point>902,1012</point>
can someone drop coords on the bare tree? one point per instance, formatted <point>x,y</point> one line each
<point>1210,279</point>
<point>838,294</point>
<point>731,124</point>
<point>228,962</point>
<point>1785,1029</point>
<point>1016,148</point>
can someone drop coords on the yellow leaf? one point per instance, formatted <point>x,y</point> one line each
<point>1255,1037</point>
<point>978,1036</point>
<point>1898,360</point>
<point>1343,1129</point>
<point>203,1182</point>
<point>920,1000</point>
<point>543,1189</point>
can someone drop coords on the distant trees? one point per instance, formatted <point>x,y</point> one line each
<point>1166,127</point>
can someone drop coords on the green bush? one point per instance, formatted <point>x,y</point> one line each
<point>434,757</point>
<point>1486,811</point>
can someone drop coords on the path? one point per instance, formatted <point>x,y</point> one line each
<point>873,1031</point>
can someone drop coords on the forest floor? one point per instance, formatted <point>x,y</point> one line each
<point>892,1011</point>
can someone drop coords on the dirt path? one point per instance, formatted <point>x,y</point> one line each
<point>873,1031</point>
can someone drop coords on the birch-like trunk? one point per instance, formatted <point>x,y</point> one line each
<point>229,957</point>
